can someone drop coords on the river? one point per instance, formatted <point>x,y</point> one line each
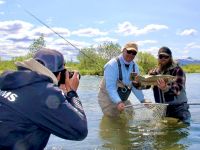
<point>111,134</point>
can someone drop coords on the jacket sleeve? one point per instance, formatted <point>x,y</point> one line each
<point>111,77</point>
<point>62,115</point>
<point>138,93</point>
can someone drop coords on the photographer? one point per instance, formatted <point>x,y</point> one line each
<point>33,105</point>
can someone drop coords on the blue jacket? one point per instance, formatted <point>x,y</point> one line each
<point>32,108</point>
<point>111,75</point>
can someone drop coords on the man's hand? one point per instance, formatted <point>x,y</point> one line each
<point>136,78</point>
<point>120,106</point>
<point>70,83</point>
<point>162,84</point>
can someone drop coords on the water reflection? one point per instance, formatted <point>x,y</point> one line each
<point>173,137</point>
<point>115,132</point>
<point>125,134</point>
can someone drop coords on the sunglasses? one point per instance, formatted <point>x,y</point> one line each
<point>131,52</point>
<point>163,56</point>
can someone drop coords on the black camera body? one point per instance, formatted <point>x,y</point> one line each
<point>62,76</point>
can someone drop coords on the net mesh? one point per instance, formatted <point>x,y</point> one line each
<point>147,112</point>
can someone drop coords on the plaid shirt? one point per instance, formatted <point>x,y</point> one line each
<point>175,96</point>
<point>174,70</point>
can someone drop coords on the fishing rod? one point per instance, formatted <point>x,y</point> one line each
<point>47,26</point>
<point>193,103</point>
<point>134,105</point>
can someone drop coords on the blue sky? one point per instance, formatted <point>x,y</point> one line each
<point>151,23</point>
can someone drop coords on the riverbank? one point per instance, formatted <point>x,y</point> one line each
<point>10,65</point>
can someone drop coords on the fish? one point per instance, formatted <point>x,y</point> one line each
<point>152,79</point>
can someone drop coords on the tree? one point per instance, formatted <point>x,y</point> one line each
<point>37,45</point>
<point>88,58</point>
<point>109,50</point>
<point>94,59</point>
<point>146,61</point>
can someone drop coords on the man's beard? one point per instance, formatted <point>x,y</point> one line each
<point>164,67</point>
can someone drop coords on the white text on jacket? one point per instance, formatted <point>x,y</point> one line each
<point>8,95</point>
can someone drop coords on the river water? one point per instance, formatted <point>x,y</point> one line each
<point>122,134</point>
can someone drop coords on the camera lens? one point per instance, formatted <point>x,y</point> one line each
<point>71,73</point>
<point>62,76</point>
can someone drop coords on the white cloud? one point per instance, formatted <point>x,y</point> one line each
<point>89,32</point>
<point>70,52</point>
<point>105,39</point>
<point>15,26</point>
<point>141,43</point>
<point>2,2</point>
<point>151,50</point>
<point>65,45</point>
<point>19,37</point>
<point>9,50</point>
<point>127,28</point>
<point>48,32</point>
<point>16,36</point>
<point>188,32</point>
<point>193,45</point>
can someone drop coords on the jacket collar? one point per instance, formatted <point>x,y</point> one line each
<point>34,65</point>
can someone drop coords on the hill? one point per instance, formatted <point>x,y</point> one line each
<point>188,61</point>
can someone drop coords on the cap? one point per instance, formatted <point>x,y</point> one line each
<point>131,46</point>
<point>165,51</point>
<point>51,59</point>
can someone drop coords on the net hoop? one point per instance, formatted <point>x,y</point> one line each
<point>147,111</point>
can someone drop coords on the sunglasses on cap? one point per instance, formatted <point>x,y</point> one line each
<point>131,52</point>
<point>163,56</point>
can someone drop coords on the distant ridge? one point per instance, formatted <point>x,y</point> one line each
<point>187,61</point>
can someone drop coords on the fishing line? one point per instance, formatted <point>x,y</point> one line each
<point>47,26</point>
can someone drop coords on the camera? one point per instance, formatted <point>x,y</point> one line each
<point>62,76</point>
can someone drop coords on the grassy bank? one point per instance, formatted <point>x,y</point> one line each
<point>192,68</point>
<point>10,65</point>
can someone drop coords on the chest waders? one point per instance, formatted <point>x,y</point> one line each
<point>123,91</point>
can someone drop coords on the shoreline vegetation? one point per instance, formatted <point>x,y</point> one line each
<point>92,60</point>
<point>10,65</point>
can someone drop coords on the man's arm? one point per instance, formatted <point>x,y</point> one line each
<point>62,115</point>
<point>111,76</point>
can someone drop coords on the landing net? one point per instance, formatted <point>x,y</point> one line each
<point>147,111</point>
